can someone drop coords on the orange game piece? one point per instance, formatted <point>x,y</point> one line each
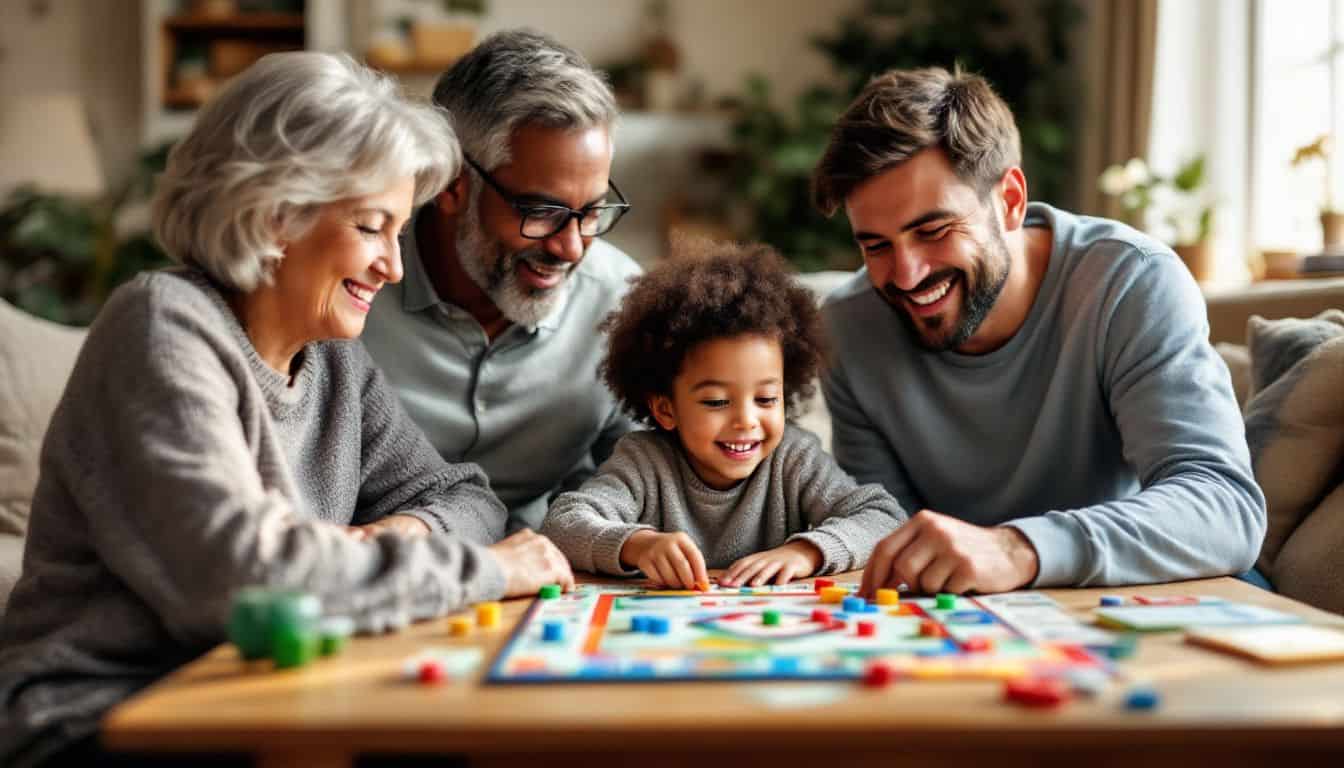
<point>977,644</point>
<point>930,628</point>
<point>1036,692</point>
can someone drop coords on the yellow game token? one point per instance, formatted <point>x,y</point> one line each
<point>888,597</point>
<point>487,615</point>
<point>459,626</point>
<point>833,594</point>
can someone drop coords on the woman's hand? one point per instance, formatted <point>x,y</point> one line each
<point>794,560</point>
<point>667,559</point>
<point>406,525</point>
<point>530,560</point>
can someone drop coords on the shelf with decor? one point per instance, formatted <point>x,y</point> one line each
<point>194,46</point>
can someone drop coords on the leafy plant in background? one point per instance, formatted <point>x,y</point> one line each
<point>1022,48</point>
<point>1178,199</point>
<point>60,256</point>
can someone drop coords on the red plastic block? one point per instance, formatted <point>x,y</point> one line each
<point>821,616</point>
<point>878,674</point>
<point>431,673</point>
<point>1036,692</point>
<point>820,584</point>
<point>866,628</point>
<point>977,644</point>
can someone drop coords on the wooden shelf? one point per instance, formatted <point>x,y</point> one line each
<point>413,67</point>
<point>243,22</point>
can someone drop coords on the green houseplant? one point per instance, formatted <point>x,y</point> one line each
<point>776,149</point>
<point>61,256</point>
<point>1184,213</point>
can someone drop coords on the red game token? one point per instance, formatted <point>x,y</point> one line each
<point>930,628</point>
<point>821,584</point>
<point>866,628</point>
<point>1036,692</point>
<point>821,616</point>
<point>977,644</point>
<point>431,673</point>
<point>878,674</point>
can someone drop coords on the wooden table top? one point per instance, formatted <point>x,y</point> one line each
<point>1212,705</point>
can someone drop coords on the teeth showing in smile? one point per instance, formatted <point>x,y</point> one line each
<point>360,292</point>
<point>547,270</point>
<point>740,447</point>
<point>933,294</point>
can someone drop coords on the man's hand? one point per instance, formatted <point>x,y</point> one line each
<point>667,559</point>
<point>406,525</point>
<point>784,563</point>
<point>936,553</point>
<point>530,560</point>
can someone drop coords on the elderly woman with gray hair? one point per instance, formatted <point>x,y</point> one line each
<point>222,429</point>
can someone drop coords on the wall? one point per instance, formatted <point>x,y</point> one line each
<point>91,48</point>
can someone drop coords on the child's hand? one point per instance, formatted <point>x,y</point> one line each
<point>784,563</point>
<point>668,559</point>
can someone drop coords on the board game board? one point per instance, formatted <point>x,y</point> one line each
<point>603,634</point>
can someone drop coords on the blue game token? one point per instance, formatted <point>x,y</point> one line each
<point>1109,600</point>
<point>853,604</point>
<point>659,625</point>
<point>746,590</point>
<point>553,631</point>
<point>1142,698</point>
<point>784,665</point>
<point>871,608</point>
<point>639,624</point>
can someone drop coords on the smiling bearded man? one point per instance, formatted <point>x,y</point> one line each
<point>1038,387</point>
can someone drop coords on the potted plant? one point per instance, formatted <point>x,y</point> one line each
<point>1185,215</point>
<point>1332,219</point>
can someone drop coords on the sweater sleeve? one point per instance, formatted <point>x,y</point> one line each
<point>860,448</point>
<point>155,452</point>
<point>591,525</point>
<point>845,520</point>
<point>1199,512</point>
<point>403,474</point>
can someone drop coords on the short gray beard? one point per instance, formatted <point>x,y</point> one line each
<point>491,267</point>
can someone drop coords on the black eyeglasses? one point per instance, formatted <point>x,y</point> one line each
<point>542,220</point>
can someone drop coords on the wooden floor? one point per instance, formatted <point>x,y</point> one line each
<point>1216,710</point>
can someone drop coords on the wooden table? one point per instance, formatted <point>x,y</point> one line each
<point>1216,710</point>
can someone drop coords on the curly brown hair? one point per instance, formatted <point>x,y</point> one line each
<point>708,290</point>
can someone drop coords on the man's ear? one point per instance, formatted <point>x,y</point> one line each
<point>1012,191</point>
<point>453,200</point>
<point>663,412</point>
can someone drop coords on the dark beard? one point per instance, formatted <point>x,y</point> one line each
<point>981,290</point>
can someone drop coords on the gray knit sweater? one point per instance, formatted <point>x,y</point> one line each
<point>177,468</point>
<point>798,492</point>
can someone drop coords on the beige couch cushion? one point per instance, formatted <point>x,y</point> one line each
<point>35,360</point>
<point>1295,429</point>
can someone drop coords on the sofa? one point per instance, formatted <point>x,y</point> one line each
<point>36,358</point>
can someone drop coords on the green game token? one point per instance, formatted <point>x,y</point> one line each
<point>250,623</point>
<point>334,632</point>
<point>1123,647</point>
<point>946,601</point>
<point>297,611</point>
<point>770,618</point>
<point>293,648</point>
<point>550,591</point>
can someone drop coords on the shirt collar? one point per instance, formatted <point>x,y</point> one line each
<point>418,292</point>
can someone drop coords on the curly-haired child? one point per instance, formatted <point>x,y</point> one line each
<point>713,348</point>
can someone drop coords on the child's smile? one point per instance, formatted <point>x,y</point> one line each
<point>727,406</point>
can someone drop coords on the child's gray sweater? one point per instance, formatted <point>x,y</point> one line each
<point>798,492</point>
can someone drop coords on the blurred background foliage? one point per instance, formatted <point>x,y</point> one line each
<point>60,256</point>
<point>1021,47</point>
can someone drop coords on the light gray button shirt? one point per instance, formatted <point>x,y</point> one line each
<point>529,408</point>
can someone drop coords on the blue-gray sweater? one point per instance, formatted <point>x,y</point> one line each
<point>1105,430</point>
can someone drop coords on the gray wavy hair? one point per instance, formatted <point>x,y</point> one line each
<point>515,78</point>
<point>292,133</point>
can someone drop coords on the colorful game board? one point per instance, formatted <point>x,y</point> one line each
<point>598,634</point>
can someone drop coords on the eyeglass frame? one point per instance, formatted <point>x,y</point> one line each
<point>524,209</point>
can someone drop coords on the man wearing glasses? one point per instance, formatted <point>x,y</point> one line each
<point>491,339</point>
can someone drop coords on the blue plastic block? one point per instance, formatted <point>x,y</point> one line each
<point>784,665</point>
<point>639,624</point>
<point>1109,600</point>
<point>968,617</point>
<point>1142,698</point>
<point>659,625</point>
<point>853,604</point>
<point>553,631</point>
<point>871,608</point>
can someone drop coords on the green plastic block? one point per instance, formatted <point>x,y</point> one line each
<point>296,611</point>
<point>250,623</point>
<point>946,601</point>
<point>549,591</point>
<point>770,618</point>
<point>290,648</point>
